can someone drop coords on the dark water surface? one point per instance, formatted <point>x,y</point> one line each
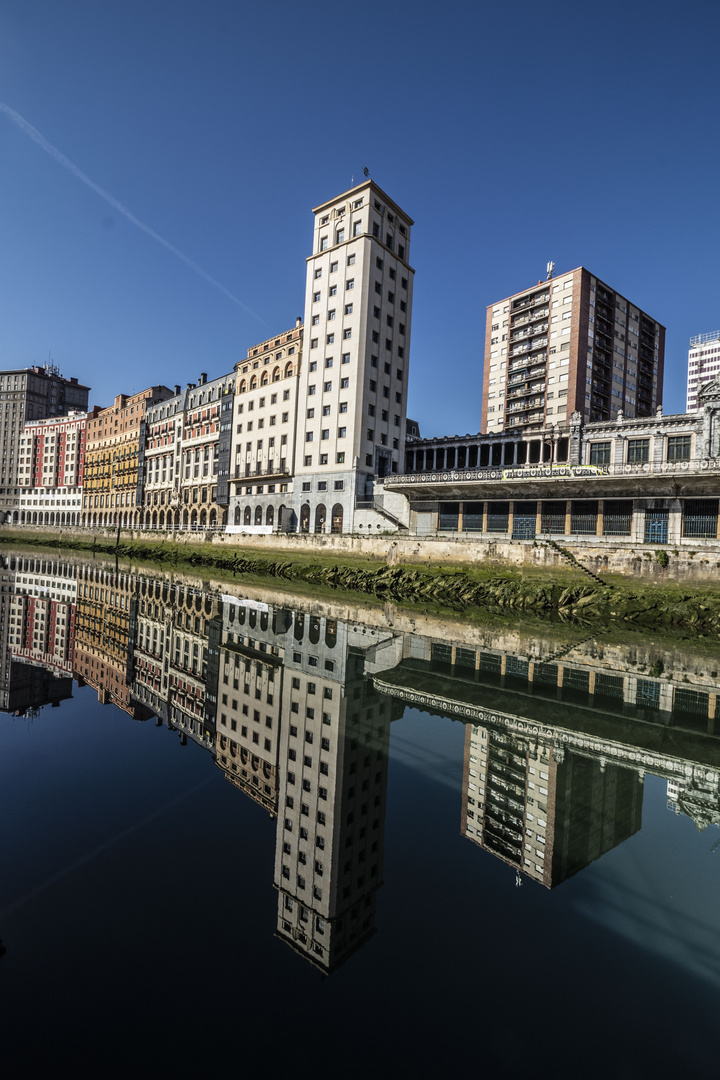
<point>452,849</point>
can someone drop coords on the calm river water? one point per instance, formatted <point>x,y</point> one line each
<point>246,833</point>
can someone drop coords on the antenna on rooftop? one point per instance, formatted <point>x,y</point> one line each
<point>550,268</point>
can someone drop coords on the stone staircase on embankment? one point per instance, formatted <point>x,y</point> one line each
<point>572,561</point>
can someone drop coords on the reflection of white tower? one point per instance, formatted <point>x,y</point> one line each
<point>333,777</point>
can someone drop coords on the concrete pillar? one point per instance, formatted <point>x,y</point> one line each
<point>638,522</point>
<point>591,682</point>
<point>511,515</point>
<point>561,673</point>
<point>515,457</point>
<point>666,696</point>
<point>503,664</point>
<point>484,517</point>
<point>538,518</point>
<point>568,516</point>
<point>460,517</point>
<point>531,671</point>
<point>600,518</point>
<point>675,521</point>
<point>630,685</point>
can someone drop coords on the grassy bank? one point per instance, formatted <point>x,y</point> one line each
<point>566,594</point>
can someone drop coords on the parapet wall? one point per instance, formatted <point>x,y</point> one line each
<point>683,564</point>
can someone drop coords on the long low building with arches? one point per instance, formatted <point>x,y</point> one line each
<point>653,480</point>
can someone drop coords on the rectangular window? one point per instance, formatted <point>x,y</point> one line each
<point>638,451</point>
<point>600,453</point>
<point>678,447</point>
<point>342,432</point>
<point>323,247</point>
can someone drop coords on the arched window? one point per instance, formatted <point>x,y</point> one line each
<point>276,375</point>
<point>288,369</point>
<point>336,525</point>
<point>248,516</point>
<point>242,387</point>
<point>265,378</point>
<point>258,515</point>
<point>320,516</point>
<point>270,516</point>
<point>237,515</point>
<point>305,518</point>
<point>253,382</point>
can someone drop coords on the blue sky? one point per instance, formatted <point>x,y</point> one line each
<point>512,134</point>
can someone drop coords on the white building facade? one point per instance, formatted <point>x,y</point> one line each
<point>703,365</point>
<point>353,384</point>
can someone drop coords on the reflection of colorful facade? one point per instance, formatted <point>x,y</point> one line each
<point>105,621</point>
<point>250,694</point>
<point>37,623</point>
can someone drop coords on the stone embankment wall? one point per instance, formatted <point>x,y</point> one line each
<point>666,564</point>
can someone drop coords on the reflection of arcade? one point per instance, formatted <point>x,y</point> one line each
<point>556,752</point>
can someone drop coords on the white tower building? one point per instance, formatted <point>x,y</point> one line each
<point>352,395</point>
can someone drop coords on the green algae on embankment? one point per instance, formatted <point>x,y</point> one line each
<point>458,589</point>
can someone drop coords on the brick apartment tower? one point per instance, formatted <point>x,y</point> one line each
<point>569,344</point>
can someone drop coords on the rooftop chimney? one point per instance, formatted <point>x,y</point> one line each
<point>203,378</point>
<point>298,322</point>
<point>177,389</point>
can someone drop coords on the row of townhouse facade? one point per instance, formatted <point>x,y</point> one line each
<point>294,438</point>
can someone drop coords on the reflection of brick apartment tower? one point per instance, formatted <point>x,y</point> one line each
<point>331,806</point>
<point>546,811</point>
<point>703,364</point>
<point>570,344</point>
<point>353,386</point>
<point>29,394</point>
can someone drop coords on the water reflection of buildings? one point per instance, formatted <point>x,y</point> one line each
<point>104,638</point>
<point>557,746</point>
<point>37,628</point>
<point>295,708</point>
